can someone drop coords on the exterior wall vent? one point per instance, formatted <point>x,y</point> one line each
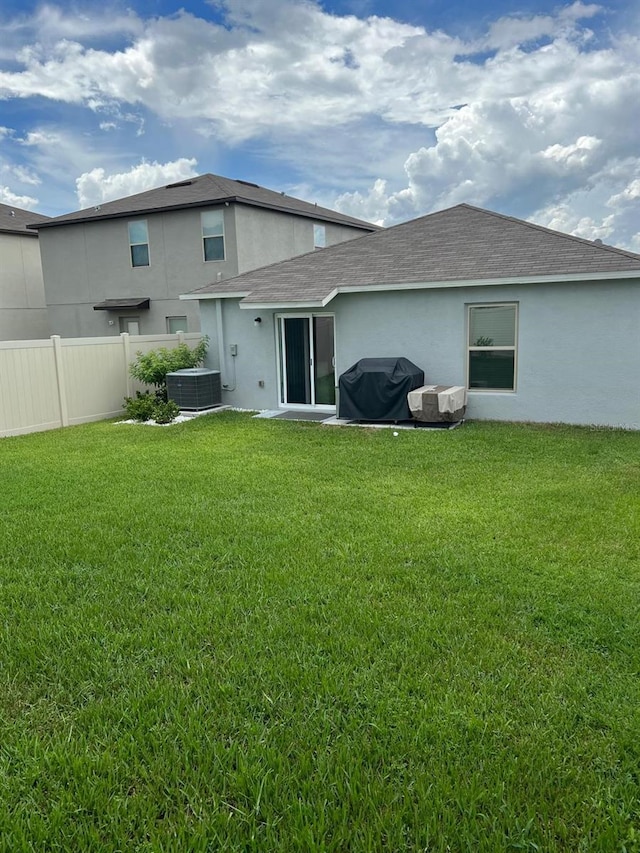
<point>195,388</point>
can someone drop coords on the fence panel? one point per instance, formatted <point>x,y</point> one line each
<point>61,381</point>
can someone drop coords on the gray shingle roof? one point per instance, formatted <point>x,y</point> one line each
<point>200,191</point>
<point>14,220</point>
<point>463,243</point>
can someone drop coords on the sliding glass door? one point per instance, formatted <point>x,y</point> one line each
<point>307,360</point>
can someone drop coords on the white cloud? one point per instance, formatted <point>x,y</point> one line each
<point>577,155</point>
<point>288,66</point>
<point>515,30</point>
<point>302,65</point>
<point>532,118</point>
<point>37,138</point>
<point>372,206</point>
<point>24,201</point>
<point>50,23</point>
<point>629,194</point>
<point>24,175</point>
<point>605,208</point>
<point>543,136</point>
<point>96,187</point>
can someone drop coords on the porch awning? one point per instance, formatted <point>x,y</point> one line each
<point>123,304</point>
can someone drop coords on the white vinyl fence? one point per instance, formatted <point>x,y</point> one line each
<point>65,381</point>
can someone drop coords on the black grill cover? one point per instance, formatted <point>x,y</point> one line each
<point>375,389</point>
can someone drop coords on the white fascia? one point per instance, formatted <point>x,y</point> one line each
<point>240,294</point>
<point>480,282</point>
<point>276,306</point>
<point>417,285</point>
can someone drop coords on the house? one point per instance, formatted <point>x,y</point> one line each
<point>23,310</point>
<point>122,265</point>
<point>536,325</point>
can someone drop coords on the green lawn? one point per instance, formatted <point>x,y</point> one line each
<point>249,635</point>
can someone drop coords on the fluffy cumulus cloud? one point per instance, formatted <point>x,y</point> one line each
<point>531,115</point>
<point>96,187</point>
<point>26,202</point>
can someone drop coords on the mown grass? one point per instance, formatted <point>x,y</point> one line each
<point>238,634</point>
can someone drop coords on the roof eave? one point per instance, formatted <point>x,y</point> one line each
<point>322,302</point>
<point>273,306</point>
<point>220,294</point>
<point>18,232</point>
<point>127,214</point>
<point>487,282</point>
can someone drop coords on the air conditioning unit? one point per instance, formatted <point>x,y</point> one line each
<point>195,388</point>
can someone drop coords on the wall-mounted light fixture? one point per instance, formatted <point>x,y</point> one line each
<point>257,321</point>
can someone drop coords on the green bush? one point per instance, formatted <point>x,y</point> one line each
<point>151,407</point>
<point>140,407</point>
<point>153,366</point>
<point>165,412</point>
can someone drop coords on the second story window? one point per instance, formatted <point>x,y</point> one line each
<point>319,237</point>
<point>213,235</point>
<point>139,243</point>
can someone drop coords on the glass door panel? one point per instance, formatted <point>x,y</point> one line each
<point>297,359</point>
<point>324,374</point>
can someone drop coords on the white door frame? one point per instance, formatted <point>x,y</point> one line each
<point>281,361</point>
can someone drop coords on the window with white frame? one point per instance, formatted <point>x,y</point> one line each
<point>319,236</point>
<point>139,243</point>
<point>213,235</point>
<point>491,347</point>
<point>176,324</point>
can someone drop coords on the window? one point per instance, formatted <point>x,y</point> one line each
<point>319,237</point>
<point>492,347</point>
<point>176,324</point>
<point>213,235</point>
<point>139,243</point>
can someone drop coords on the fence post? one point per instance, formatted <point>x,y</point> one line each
<point>62,388</point>
<point>180,337</point>
<point>126,343</point>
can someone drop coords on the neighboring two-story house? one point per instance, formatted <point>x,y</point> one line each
<point>23,310</point>
<point>122,265</point>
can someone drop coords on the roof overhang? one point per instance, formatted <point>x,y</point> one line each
<point>382,287</point>
<point>227,294</point>
<point>134,304</point>
<point>98,216</point>
<point>18,232</point>
<point>276,306</point>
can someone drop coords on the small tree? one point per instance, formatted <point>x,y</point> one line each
<point>152,367</point>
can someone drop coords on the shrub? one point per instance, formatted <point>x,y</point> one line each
<point>140,407</point>
<point>150,407</point>
<point>153,366</point>
<point>165,412</point>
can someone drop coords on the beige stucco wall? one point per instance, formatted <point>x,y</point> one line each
<point>23,310</point>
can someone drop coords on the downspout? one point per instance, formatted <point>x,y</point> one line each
<point>221,351</point>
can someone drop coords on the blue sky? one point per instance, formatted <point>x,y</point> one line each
<point>385,109</point>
